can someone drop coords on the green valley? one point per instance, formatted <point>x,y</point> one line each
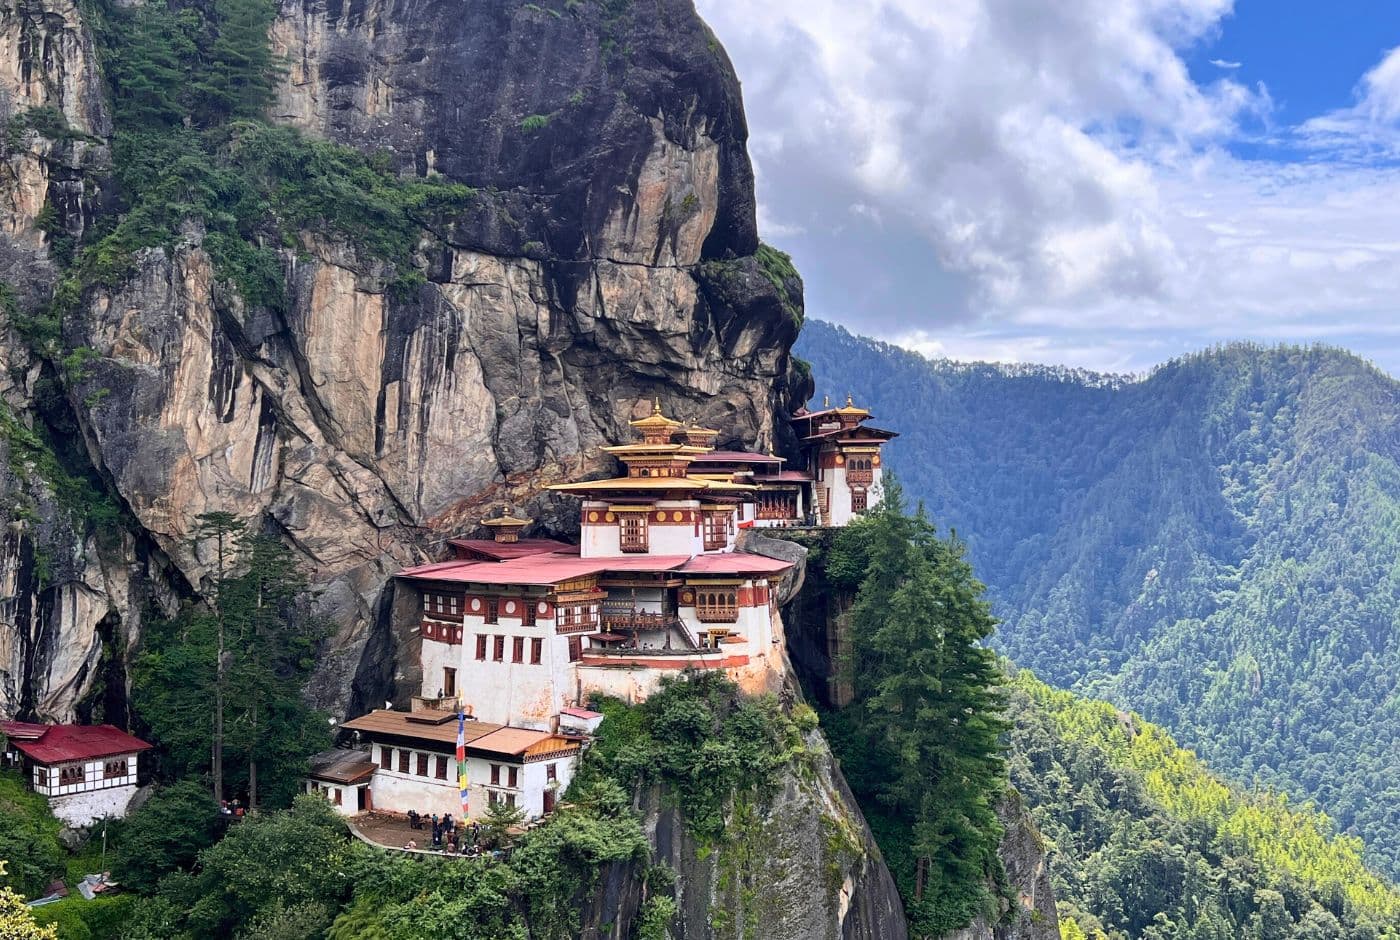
<point>1216,545</point>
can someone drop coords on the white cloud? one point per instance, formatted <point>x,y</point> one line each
<point>1372,124</point>
<point>1225,64</point>
<point>1063,177</point>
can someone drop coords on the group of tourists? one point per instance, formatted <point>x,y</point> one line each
<point>448,836</point>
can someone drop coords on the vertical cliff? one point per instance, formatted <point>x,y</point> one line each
<point>605,257</point>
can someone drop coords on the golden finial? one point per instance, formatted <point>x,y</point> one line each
<point>849,402</point>
<point>656,406</point>
<point>826,401</point>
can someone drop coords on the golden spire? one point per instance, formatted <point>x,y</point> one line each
<point>656,406</point>
<point>849,402</point>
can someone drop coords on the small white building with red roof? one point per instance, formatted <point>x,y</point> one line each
<point>87,772</point>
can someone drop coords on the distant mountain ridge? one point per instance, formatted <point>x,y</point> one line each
<point>1215,545</point>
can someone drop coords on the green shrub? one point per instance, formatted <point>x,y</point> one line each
<point>102,918</point>
<point>28,837</point>
<point>167,833</point>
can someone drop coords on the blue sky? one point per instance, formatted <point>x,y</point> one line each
<point>1100,183</point>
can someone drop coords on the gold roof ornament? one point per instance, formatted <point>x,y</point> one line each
<point>506,527</point>
<point>655,420</point>
<point>851,408</point>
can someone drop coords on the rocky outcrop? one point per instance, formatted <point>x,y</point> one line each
<point>1027,908</point>
<point>801,864</point>
<point>605,260</point>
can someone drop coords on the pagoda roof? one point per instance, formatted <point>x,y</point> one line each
<point>853,434</point>
<point>62,743</point>
<point>655,420</point>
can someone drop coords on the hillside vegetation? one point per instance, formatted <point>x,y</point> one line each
<point>1146,843</point>
<point>1216,546</point>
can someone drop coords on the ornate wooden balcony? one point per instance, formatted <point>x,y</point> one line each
<point>636,620</point>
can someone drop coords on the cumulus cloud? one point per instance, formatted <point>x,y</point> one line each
<point>1004,172</point>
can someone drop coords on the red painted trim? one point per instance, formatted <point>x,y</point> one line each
<point>666,662</point>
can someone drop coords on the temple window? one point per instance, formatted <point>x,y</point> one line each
<point>527,612</point>
<point>536,651</point>
<point>717,605</point>
<point>481,646</point>
<point>114,768</point>
<point>70,774</point>
<point>517,652</point>
<point>858,501</point>
<point>493,610</point>
<point>716,530</point>
<point>632,527</point>
<point>500,649</point>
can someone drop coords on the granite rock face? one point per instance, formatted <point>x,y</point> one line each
<point>801,865</point>
<point>605,261</point>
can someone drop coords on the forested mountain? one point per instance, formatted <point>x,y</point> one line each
<point>1215,545</point>
<point>1146,843</point>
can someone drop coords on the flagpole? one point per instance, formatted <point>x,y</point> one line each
<point>462,755</point>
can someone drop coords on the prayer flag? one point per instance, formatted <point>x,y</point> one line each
<point>462,756</point>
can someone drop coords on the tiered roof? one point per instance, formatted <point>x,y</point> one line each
<point>666,462</point>
<point>850,425</point>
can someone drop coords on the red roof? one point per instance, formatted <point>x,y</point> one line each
<point>22,730</point>
<point>575,712</point>
<point>735,456</point>
<point>62,743</point>
<point>539,569</point>
<point>501,551</point>
<point>881,435</point>
<point>734,563</point>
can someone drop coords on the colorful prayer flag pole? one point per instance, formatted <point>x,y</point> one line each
<point>462,755</point>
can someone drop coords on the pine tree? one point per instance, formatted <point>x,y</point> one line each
<point>923,735</point>
<point>248,655</point>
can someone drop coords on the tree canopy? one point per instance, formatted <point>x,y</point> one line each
<point>1215,545</point>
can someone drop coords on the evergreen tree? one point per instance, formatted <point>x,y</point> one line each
<point>227,679</point>
<point>921,740</point>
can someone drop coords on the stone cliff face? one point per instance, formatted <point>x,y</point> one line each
<point>801,865</point>
<point>606,259</point>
